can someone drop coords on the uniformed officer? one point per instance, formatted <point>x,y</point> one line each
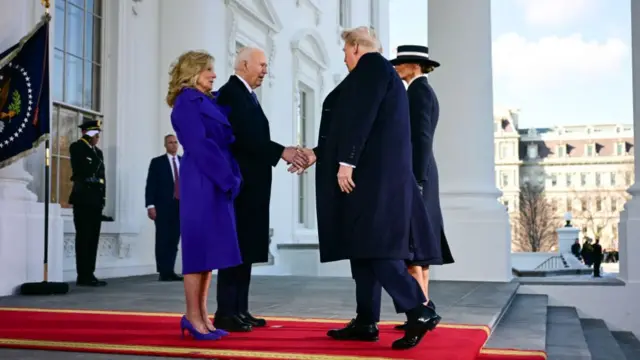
<point>88,200</point>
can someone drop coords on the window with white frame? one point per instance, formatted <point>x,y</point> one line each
<point>620,148</point>
<point>344,13</point>
<point>590,149</point>
<point>75,83</point>
<point>561,150</point>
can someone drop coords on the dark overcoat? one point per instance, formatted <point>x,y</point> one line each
<point>425,111</point>
<point>256,155</point>
<point>365,123</point>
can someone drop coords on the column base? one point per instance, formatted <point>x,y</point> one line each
<point>22,244</point>
<point>13,183</point>
<point>628,244</point>
<point>479,234</point>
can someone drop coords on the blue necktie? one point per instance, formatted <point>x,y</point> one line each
<point>255,98</point>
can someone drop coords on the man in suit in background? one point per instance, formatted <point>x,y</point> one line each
<point>413,64</point>
<point>162,199</point>
<point>88,198</point>
<point>256,154</point>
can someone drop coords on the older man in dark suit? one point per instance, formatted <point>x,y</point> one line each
<point>256,154</point>
<point>162,199</point>
<point>367,213</point>
<point>413,64</point>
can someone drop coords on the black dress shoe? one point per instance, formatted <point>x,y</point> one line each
<point>416,328</point>
<point>171,277</point>
<point>91,282</point>
<point>356,331</point>
<point>251,320</point>
<point>402,327</point>
<point>231,324</point>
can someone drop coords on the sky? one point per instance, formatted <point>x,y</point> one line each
<point>560,62</point>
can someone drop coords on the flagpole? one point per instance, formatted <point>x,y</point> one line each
<point>45,287</point>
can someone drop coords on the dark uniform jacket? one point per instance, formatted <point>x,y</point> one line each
<point>88,175</point>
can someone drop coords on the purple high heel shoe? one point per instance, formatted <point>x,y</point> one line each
<point>185,325</point>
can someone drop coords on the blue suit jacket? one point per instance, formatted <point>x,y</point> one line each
<point>159,188</point>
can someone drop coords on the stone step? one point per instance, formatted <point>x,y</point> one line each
<point>565,338</point>
<point>523,326</point>
<point>600,340</point>
<point>629,344</point>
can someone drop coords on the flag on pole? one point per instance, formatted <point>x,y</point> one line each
<point>24,95</point>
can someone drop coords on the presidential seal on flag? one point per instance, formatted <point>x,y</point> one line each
<point>16,103</point>
<point>24,95</point>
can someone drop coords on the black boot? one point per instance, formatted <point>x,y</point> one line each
<point>356,330</point>
<point>421,320</point>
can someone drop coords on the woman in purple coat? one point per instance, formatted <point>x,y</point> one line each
<point>209,182</point>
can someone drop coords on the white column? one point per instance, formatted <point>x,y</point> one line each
<point>476,225</point>
<point>21,216</point>
<point>629,228</point>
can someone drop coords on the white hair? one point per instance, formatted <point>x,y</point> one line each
<point>243,55</point>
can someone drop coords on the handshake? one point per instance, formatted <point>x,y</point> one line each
<point>298,158</point>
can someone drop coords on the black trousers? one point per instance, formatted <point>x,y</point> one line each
<point>371,275</point>
<point>232,292</point>
<point>87,220</point>
<point>596,267</point>
<point>167,237</point>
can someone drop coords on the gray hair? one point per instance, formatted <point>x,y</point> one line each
<point>243,55</point>
<point>362,36</point>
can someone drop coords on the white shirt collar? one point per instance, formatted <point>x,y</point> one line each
<point>419,76</point>
<point>173,156</point>
<point>245,83</point>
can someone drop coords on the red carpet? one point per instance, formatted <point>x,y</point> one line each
<point>285,338</point>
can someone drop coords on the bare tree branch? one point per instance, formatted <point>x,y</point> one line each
<point>597,210</point>
<point>535,221</point>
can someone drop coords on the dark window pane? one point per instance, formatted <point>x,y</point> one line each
<point>68,131</point>
<point>58,19</point>
<point>64,182</point>
<point>93,34</point>
<point>87,87</point>
<point>75,22</point>
<point>55,112</point>
<point>95,87</point>
<point>57,75</point>
<point>73,80</point>
<point>95,6</point>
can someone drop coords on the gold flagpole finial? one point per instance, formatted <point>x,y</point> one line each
<point>46,4</point>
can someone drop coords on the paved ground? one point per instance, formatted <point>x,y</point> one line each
<point>457,302</point>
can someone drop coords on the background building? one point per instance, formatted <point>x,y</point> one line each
<point>583,169</point>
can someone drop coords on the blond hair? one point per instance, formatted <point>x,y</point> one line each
<point>184,72</point>
<point>362,36</point>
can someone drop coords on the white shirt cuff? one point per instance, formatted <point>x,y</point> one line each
<point>151,206</point>
<point>349,165</point>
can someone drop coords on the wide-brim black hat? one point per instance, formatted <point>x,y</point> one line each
<point>413,54</point>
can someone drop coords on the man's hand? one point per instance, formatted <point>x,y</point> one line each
<point>311,159</point>
<point>151,213</point>
<point>293,155</point>
<point>345,180</point>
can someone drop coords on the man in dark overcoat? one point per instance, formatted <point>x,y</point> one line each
<point>88,197</point>
<point>413,64</point>
<point>256,155</point>
<point>367,198</point>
